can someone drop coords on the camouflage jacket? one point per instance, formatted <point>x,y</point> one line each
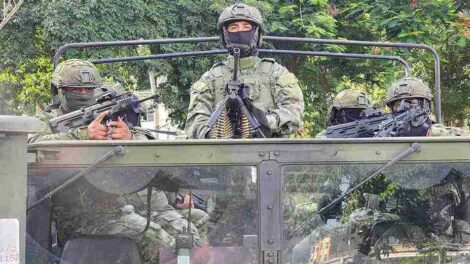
<point>438,130</point>
<point>80,204</point>
<point>273,89</point>
<point>73,134</point>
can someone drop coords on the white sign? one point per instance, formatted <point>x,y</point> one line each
<point>9,241</point>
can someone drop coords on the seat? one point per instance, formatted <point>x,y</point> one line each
<point>100,250</point>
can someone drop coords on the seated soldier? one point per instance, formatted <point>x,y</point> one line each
<point>348,106</point>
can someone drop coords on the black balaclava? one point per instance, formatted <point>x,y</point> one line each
<point>346,115</point>
<point>246,41</point>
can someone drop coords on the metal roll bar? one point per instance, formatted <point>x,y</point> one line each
<point>406,64</point>
<point>437,69</point>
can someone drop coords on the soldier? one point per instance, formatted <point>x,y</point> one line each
<point>447,200</point>
<point>272,88</point>
<point>415,92</point>
<point>348,106</point>
<point>83,208</point>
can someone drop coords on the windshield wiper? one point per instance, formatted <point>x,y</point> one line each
<point>117,151</point>
<point>410,150</point>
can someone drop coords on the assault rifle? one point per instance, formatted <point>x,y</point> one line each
<point>410,115</point>
<point>366,127</point>
<point>126,105</point>
<point>376,124</point>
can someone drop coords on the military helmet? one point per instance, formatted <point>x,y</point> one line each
<point>76,73</point>
<point>350,98</point>
<point>408,87</point>
<point>346,99</point>
<point>239,12</point>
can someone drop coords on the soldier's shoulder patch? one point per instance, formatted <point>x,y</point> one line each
<point>218,69</point>
<point>287,79</point>
<point>199,86</point>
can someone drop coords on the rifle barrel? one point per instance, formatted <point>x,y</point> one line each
<point>236,62</point>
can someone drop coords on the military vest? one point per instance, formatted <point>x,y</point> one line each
<point>260,77</point>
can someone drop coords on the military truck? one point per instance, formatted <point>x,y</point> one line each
<point>367,200</point>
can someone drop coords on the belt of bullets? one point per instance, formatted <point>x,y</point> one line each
<point>223,128</point>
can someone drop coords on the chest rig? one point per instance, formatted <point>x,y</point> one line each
<point>256,77</point>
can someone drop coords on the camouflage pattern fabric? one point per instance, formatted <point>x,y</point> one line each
<point>438,130</point>
<point>82,208</point>
<point>175,221</point>
<point>273,89</point>
<point>46,133</point>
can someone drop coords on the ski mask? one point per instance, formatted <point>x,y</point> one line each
<point>246,41</point>
<point>71,101</point>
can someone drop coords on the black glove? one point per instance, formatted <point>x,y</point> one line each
<point>260,116</point>
<point>405,129</point>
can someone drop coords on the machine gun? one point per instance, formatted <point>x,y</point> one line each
<point>125,105</point>
<point>231,118</point>
<point>366,127</point>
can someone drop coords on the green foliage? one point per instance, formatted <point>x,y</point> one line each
<point>25,68</point>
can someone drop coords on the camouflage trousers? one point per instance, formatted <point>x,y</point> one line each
<point>131,225</point>
<point>175,222</point>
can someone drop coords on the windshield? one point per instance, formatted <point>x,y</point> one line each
<point>224,216</point>
<point>410,212</point>
<point>284,201</point>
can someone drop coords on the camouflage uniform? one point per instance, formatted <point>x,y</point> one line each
<point>272,88</point>
<point>175,221</point>
<point>446,197</point>
<point>415,88</point>
<point>346,99</point>
<point>83,208</point>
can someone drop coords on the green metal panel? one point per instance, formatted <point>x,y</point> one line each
<point>13,159</point>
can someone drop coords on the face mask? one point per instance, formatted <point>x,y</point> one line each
<point>247,41</point>
<point>71,101</point>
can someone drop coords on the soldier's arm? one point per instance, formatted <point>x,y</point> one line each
<point>47,134</point>
<point>289,102</point>
<point>200,106</point>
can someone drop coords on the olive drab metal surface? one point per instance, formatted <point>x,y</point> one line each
<point>271,169</point>
<point>13,160</point>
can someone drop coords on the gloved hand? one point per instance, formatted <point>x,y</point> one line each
<point>262,119</point>
<point>405,129</point>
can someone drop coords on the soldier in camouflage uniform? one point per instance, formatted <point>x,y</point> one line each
<point>83,208</point>
<point>348,106</point>
<point>272,88</point>
<point>448,200</point>
<point>414,91</point>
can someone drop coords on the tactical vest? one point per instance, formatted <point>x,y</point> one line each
<point>260,78</point>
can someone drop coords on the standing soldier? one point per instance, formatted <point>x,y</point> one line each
<point>272,88</point>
